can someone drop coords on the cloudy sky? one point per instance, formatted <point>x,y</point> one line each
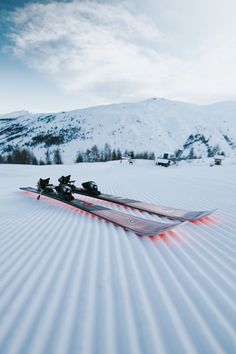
<point>65,54</point>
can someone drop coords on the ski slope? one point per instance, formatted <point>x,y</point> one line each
<point>73,283</point>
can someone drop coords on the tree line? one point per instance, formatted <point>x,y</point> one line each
<point>93,154</point>
<point>108,154</point>
<point>26,157</point>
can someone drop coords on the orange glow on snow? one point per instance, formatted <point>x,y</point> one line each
<point>166,237</point>
<point>208,220</point>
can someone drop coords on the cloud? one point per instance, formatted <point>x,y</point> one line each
<point>108,52</point>
<point>84,45</point>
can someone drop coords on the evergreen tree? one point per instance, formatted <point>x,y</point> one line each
<point>119,155</point>
<point>94,156</point>
<point>178,153</point>
<point>102,156</point>
<point>151,156</point>
<point>47,158</point>
<point>57,157</point>
<point>114,155</point>
<point>2,160</point>
<point>191,154</point>
<point>9,158</point>
<point>107,152</point>
<point>79,157</point>
<point>126,153</point>
<point>145,155</point>
<point>131,154</point>
<point>87,155</point>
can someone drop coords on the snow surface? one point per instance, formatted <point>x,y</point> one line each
<point>155,124</point>
<point>73,283</point>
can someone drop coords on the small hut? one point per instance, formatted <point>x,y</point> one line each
<point>218,160</point>
<point>166,155</point>
<point>163,162</point>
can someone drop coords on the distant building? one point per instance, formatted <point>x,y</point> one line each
<point>165,155</point>
<point>163,162</point>
<point>218,160</point>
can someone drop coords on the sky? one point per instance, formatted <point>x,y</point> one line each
<point>58,55</point>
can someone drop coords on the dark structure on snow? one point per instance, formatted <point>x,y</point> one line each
<point>165,161</point>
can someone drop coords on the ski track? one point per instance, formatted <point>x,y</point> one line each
<point>72,283</point>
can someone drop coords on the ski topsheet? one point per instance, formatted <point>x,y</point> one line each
<point>160,210</point>
<point>142,227</point>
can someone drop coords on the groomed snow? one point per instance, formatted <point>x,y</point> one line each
<point>73,283</point>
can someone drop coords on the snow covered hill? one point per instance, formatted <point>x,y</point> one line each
<point>155,124</point>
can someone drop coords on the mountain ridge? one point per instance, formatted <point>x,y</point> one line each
<point>154,124</point>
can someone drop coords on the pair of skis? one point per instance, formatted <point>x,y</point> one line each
<point>140,226</point>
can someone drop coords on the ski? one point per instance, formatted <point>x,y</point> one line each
<point>140,226</point>
<point>160,210</point>
<point>90,189</point>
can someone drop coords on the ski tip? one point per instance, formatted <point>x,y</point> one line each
<point>204,214</point>
<point>192,216</point>
<point>163,229</point>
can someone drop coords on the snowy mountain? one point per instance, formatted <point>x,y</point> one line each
<point>13,115</point>
<point>155,124</point>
